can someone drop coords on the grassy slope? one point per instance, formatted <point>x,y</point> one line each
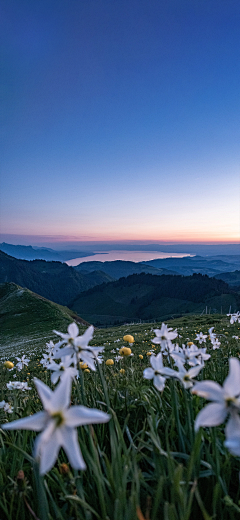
<point>27,319</point>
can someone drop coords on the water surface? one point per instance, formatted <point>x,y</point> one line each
<point>132,256</point>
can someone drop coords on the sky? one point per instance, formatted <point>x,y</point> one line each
<point>120,121</point>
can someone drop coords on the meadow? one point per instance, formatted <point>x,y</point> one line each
<point>145,460</point>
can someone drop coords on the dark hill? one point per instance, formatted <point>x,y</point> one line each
<point>54,280</point>
<point>232,278</point>
<point>149,297</point>
<point>120,268</point>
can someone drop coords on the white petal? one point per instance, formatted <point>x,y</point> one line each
<point>193,372</point>
<point>81,415</point>
<point>71,446</point>
<point>87,357</point>
<point>48,452</point>
<point>231,384</point>
<point>212,415</point>
<point>73,330</point>
<point>55,377</point>
<point>209,390</point>
<point>83,340</point>
<point>156,362</point>
<point>159,382</point>
<point>62,352</point>
<point>233,426</point>
<point>148,373</point>
<point>44,392</point>
<point>233,444</point>
<point>34,422</point>
<point>61,396</point>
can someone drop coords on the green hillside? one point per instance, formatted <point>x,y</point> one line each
<point>27,319</point>
<point>148,297</point>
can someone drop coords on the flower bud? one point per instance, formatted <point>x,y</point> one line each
<point>64,468</point>
<point>109,362</point>
<point>125,351</point>
<point>128,338</point>
<point>8,364</point>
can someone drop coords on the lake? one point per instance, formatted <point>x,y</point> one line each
<point>132,256</point>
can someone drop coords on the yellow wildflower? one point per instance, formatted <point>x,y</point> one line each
<point>109,362</point>
<point>125,351</point>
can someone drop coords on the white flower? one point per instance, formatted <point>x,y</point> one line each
<point>2,404</point>
<point>157,372</point>
<point>61,368</point>
<point>21,362</point>
<point>8,408</point>
<point>77,346</point>
<point>57,424</point>
<point>187,355</point>
<point>18,385</point>
<point>164,336</point>
<point>201,337</point>
<point>234,317</point>
<point>212,334</point>
<point>50,347</point>
<point>225,399</point>
<point>186,376</point>
<point>47,359</point>
<point>216,343</point>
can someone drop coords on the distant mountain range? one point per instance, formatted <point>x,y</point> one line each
<point>210,265</point>
<point>119,268</point>
<point>149,297</point>
<point>41,253</point>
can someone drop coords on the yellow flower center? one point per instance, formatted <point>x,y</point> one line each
<point>59,419</point>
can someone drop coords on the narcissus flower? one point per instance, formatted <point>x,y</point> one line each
<point>8,364</point>
<point>109,362</point>
<point>77,346</point>
<point>57,424</point>
<point>201,337</point>
<point>125,351</point>
<point>225,398</point>
<point>21,362</point>
<point>128,338</point>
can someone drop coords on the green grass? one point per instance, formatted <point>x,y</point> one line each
<point>147,462</point>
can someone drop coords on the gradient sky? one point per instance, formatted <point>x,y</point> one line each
<point>121,119</point>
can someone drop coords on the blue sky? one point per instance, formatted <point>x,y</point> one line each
<point>120,120</point>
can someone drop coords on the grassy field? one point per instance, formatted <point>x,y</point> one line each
<point>147,462</point>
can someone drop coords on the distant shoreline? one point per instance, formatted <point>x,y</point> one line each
<point>125,255</point>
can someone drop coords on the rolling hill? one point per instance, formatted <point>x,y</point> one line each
<point>27,319</point>
<point>119,268</point>
<point>150,297</point>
